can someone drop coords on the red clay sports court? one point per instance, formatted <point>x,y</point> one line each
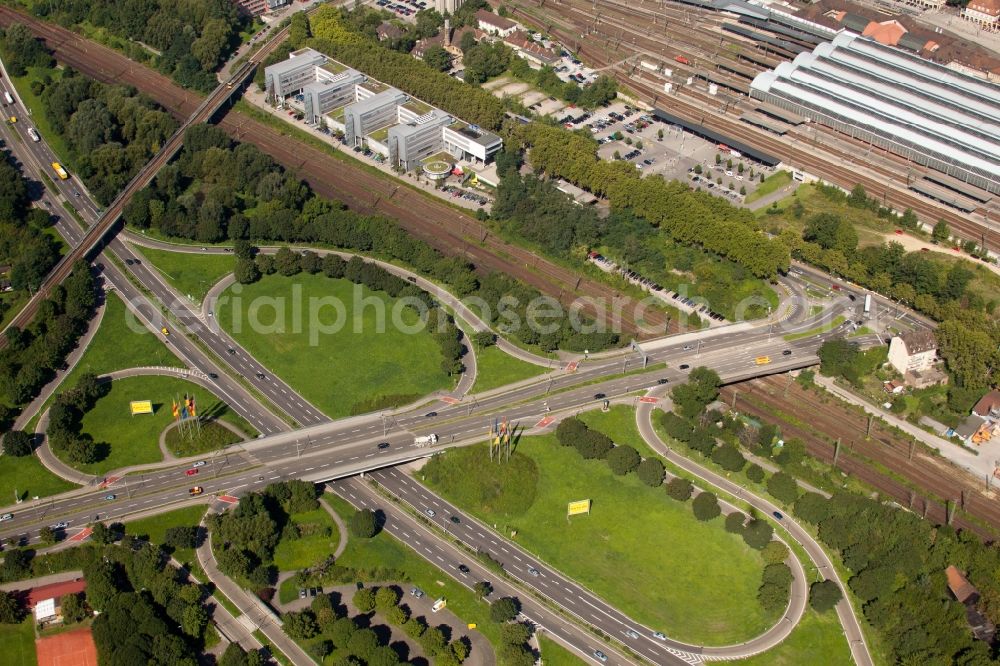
<point>72,648</point>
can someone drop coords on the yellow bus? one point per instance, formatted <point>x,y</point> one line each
<point>60,171</point>
<point>762,360</point>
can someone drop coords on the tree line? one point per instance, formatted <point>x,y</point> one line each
<point>111,131</point>
<point>192,38</point>
<point>598,93</point>
<point>22,50</point>
<point>24,244</point>
<point>33,354</point>
<point>218,190</point>
<point>685,215</point>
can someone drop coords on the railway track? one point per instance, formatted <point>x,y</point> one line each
<point>868,459</point>
<point>443,227</point>
<point>605,50</point>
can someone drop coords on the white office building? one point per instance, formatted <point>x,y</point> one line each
<point>412,141</point>
<point>470,143</point>
<point>290,76</point>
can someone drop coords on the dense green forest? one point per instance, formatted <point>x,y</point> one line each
<point>24,245</point>
<point>193,37</point>
<point>112,131</point>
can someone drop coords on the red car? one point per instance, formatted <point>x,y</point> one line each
<point>899,232</point>
<point>191,472</point>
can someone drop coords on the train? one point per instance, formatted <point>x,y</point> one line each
<point>682,60</point>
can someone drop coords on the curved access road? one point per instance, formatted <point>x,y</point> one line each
<point>845,612</point>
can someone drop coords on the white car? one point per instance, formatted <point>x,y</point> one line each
<point>200,463</point>
<point>430,512</point>
<point>6,516</point>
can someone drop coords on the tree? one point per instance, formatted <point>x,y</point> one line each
<point>300,625</point>
<point>755,473</point>
<point>435,56</point>
<point>102,534</point>
<point>651,472</point>
<point>757,534</point>
<point>194,619</point>
<point>824,595</point>
<point>47,535</point>
<point>181,537</point>
<point>73,608</point>
<point>705,506</point>
<point>734,522</point>
<point>623,459</point>
<point>364,524</point>
<point>504,609</point>
<point>942,232</point>
<point>364,600</point>
<point>680,489</point>
<point>482,589</point>
<point>397,615</point>
<point>286,262</point>
<point>729,458</point>
<point>363,643</point>
<point>246,271</point>
<point>783,487</point>
<point>18,443</point>
<point>10,610</point>
<point>460,650</point>
<point>386,598</point>
<point>433,641</point>
<point>233,656</point>
<point>701,388</point>
<point>773,592</point>
<point>484,339</point>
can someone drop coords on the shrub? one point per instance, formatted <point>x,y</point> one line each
<point>623,459</point>
<point>734,522</point>
<point>680,489</point>
<point>705,506</point>
<point>386,598</point>
<point>364,524</point>
<point>729,458</point>
<point>364,600</point>
<point>755,473</point>
<point>18,443</point>
<point>783,487</point>
<point>651,472</point>
<point>824,595</point>
<point>757,534</point>
<point>504,610</point>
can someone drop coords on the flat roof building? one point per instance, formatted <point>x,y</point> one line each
<point>288,76</point>
<point>897,101</point>
<point>367,115</point>
<point>329,91</point>
<point>411,142</point>
<point>469,142</point>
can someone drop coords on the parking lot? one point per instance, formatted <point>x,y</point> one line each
<point>402,8</point>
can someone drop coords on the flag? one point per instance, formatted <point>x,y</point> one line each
<point>176,412</point>
<point>184,412</point>
<point>190,405</point>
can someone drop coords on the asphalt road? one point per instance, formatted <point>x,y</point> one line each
<point>447,557</point>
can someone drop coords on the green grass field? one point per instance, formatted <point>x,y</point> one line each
<point>18,642</point>
<point>210,437</point>
<point>384,550</point>
<point>495,368</point>
<point>554,654</point>
<point>818,639</point>
<point>28,478</point>
<point>691,580</point>
<point>134,440</point>
<point>155,527</point>
<point>191,274</point>
<point>772,183</point>
<point>37,109</point>
<point>312,546</point>
<point>334,371</point>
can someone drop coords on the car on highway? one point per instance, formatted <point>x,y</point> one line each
<point>61,525</point>
<point>417,592</point>
<point>212,375</point>
<point>777,514</point>
<point>109,497</point>
<point>430,512</point>
<point>659,635</point>
<point>632,633</point>
<point>6,516</point>
<point>533,571</point>
<point>684,366</point>
<point>260,375</point>
<point>687,348</point>
<point>164,331</point>
<point>455,519</point>
<point>600,655</point>
<point>383,446</point>
<point>599,396</point>
<point>662,380</point>
<point>197,490</point>
<point>787,352</point>
<point>129,262</point>
<point>200,463</point>
<point>430,415</point>
<point>230,351</point>
<point>191,472</point>
<point>463,568</point>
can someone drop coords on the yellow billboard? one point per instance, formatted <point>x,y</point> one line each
<point>141,407</point>
<point>578,507</point>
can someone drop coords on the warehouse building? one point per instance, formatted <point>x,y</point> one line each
<point>897,101</point>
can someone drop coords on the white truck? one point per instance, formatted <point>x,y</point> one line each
<point>868,306</point>
<point>6,96</point>
<point>649,66</point>
<point>426,440</point>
